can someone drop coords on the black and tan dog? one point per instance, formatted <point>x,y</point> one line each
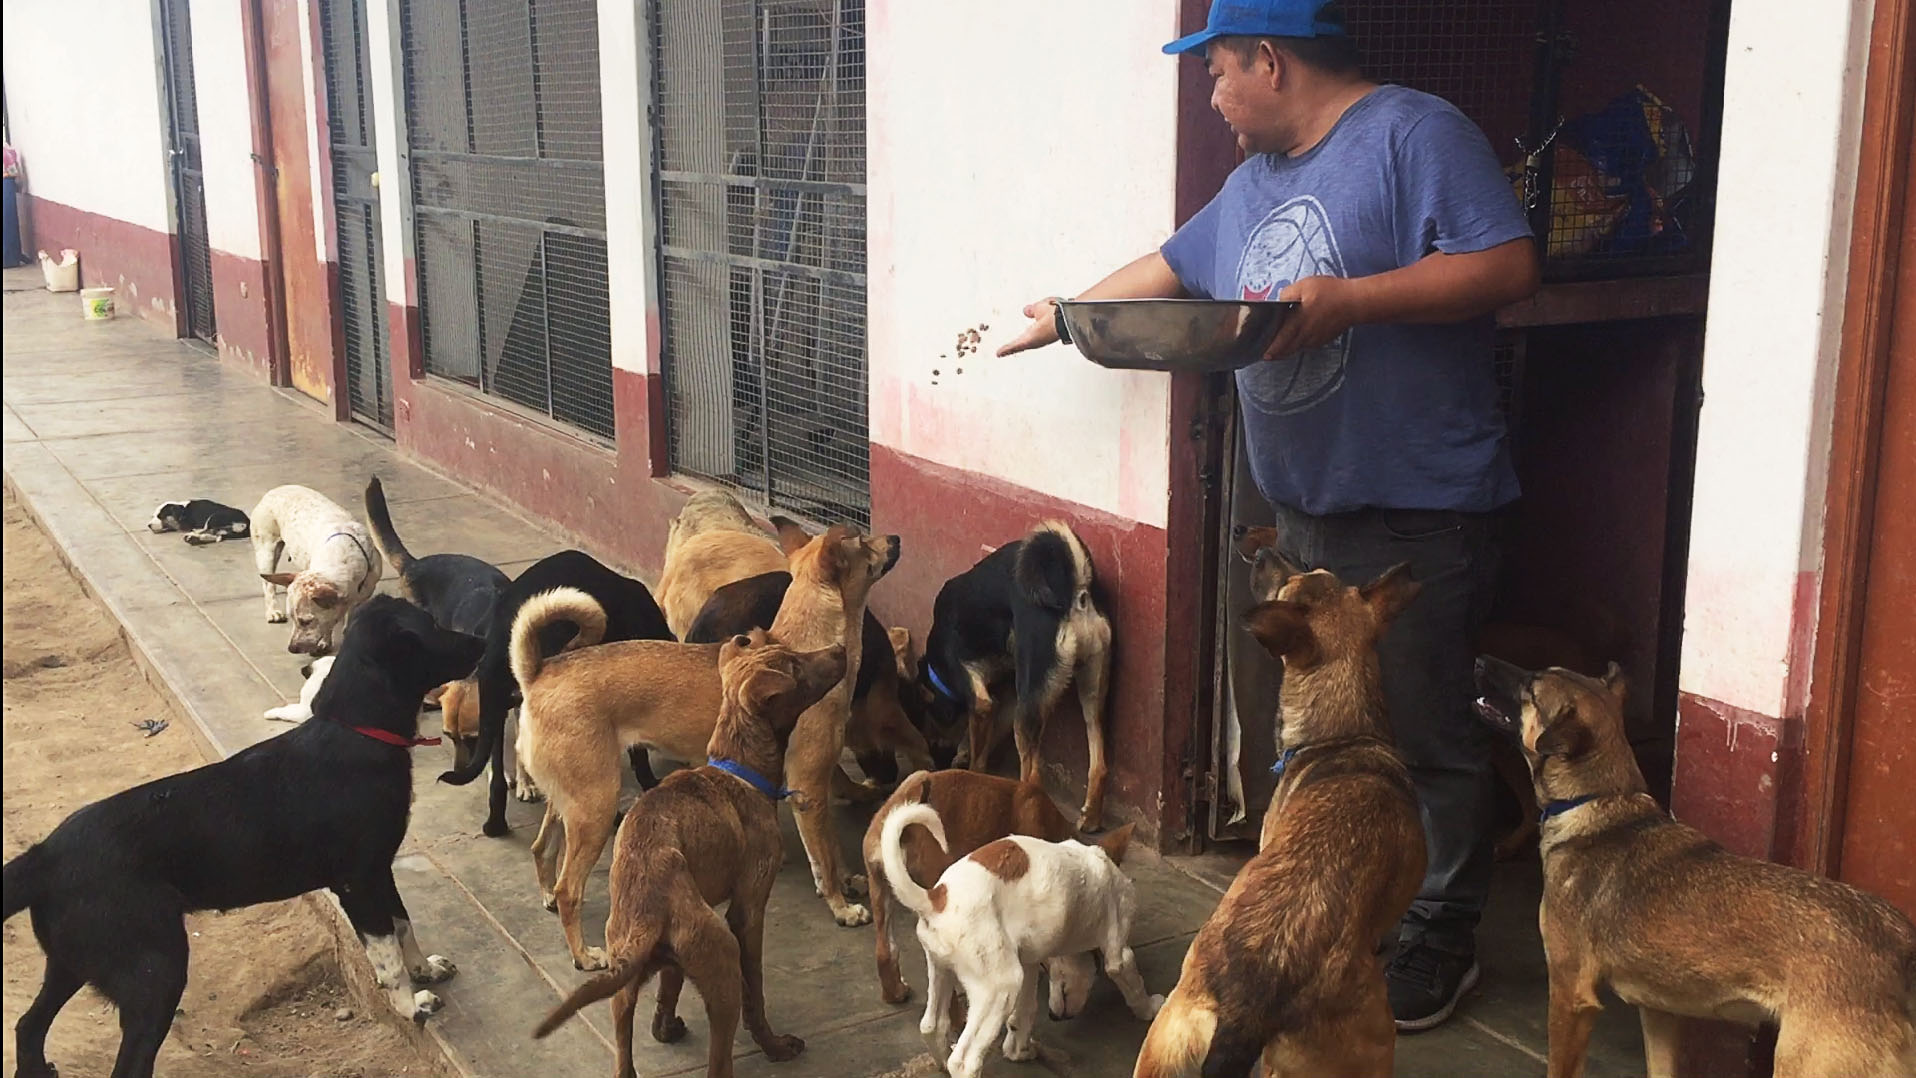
<point>705,836</point>
<point>1286,968</point>
<point>1678,926</point>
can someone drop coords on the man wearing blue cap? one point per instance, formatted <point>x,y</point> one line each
<point>1373,426</point>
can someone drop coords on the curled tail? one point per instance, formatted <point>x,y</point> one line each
<point>1179,1040</point>
<point>21,883</point>
<point>384,537</point>
<point>543,609</point>
<point>891,852</point>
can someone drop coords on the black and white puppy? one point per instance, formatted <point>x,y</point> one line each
<point>323,805</point>
<point>1010,634</point>
<point>203,521</point>
<point>458,590</point>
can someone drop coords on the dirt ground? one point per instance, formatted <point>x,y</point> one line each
<point>265,995</point>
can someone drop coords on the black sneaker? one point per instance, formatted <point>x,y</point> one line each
<point>1425,983</point>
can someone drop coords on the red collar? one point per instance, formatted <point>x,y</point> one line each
<point>391,738</point>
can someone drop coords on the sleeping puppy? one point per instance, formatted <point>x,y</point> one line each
<point>323,805</point>
<point>203,521</point>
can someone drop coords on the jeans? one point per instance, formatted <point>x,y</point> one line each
<point>1427,655</point>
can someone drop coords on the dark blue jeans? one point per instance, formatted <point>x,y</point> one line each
<point>1427,656</point>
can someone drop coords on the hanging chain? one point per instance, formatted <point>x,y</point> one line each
<point>1533,165</point>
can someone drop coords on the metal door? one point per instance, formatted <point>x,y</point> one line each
<point>189,187</point>
<point>349,123</point>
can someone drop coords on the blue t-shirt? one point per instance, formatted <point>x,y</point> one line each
<point>1386,416</point>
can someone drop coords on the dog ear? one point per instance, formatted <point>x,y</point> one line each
<point>1563,735</point>
<point>791,537</point>
<point>1116,843</point>
<point>284,580</point>
<point>1283,627</point>
<point>325,596</point>
<point>764,687</point>
<point>1614,681</point>
<point>1390,593</point>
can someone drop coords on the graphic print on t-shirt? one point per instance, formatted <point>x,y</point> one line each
<point>1294,241</point>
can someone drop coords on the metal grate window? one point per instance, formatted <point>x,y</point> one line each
<point>502,100</point>
<point>356,212</point>
<point>759,171</point>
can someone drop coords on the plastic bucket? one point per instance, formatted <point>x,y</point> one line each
<point>64,275</point>
<point>97,303</point>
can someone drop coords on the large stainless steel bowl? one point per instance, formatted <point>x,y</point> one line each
<point>1171,334</point>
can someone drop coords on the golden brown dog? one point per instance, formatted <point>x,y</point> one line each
<point>703,836</point>
<point>976,809</point>
<point>1287,967</point>
<point>581,709</point>
<point>1678,926</point>
<point>709,544</point>
<point>832,574</point>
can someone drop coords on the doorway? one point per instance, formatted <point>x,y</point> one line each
<point>195,266</point>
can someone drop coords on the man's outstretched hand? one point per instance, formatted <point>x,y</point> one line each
<point>1043,329</point>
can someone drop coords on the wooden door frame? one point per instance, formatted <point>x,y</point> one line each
<point>1882,194</point>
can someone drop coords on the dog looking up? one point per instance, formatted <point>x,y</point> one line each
<point>1677,925</point>
<point>630,614</point>
<point>998,913</point>
<point>703,836</point>
<point>975,808</point>
<point>458,590</point>
<point>323,805</point>
<point>1029,613</point>
<point>1286,967</point>
<point>710,543</point>
<point>340,567</point>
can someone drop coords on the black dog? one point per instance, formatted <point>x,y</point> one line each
<point>458,590</point>
<point>743,605</point>
<point>201,520</point>
<point>322,805</point>
<point>1029,615</point>
<point>631,614</point>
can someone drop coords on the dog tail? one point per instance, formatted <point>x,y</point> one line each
<point>664,883</point>
<point>1179,1039</point>
<point>543,609</point>
<point>624,971</point>
<point>384,537</point>
<point>891,850</point>
<point>1053,568</point>
<point>21,882</point>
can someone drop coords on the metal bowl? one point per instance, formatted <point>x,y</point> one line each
<point>1171,334</point>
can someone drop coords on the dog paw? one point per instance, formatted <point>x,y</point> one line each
<point>594,958</point>
<point>851,915</point>
<point>275,617</point>
<point>668,1030</point>
<point>856,887</point>
<point>1020,1049</point>
<point>550,901</point>
<point>1151,1010</point>
<point>525,791</point>
<point>783,1047</point>
<point>895,996</point>
<point>437,968</point>
<point>424,1003</point>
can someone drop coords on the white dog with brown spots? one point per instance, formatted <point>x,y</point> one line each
<point>340,565</point>
<point>998,914</point>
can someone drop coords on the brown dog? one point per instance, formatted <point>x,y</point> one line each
<point>1287,966</point>
<point>710,543</point>
<point>976,809</point>
<point>832,575</point>
<point>1677,925</point>
<point>703,836</point>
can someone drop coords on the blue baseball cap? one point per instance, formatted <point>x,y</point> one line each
<point>1261,18</point>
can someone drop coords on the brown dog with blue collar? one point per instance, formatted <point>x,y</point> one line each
<point>705,836</point>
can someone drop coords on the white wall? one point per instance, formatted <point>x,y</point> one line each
<point>1792,117</point>
<point>84,105</point>
<point>226,128</point>
<point>1016,150</point>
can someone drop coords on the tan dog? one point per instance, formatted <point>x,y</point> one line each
<point>976,809</point>
<point>709,544</point>
<point>832,575</point>
<point>581,710</point>
<point>1286,968</point>
<point>1678,926</point>
<point>705,836</point>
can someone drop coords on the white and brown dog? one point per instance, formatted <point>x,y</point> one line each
<point>997,915</point>
<point>341,567</point>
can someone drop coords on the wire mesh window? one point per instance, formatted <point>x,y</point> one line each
<point>759,112</point>
<point>1619,182</point>
<point>503,114</point>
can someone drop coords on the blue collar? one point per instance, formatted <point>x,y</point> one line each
<point>931,673</point>
<point>752,778</point>
<point>1558,808</point>
<point>1284,761</point>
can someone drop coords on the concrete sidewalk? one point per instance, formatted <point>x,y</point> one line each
<point>105,420</point>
